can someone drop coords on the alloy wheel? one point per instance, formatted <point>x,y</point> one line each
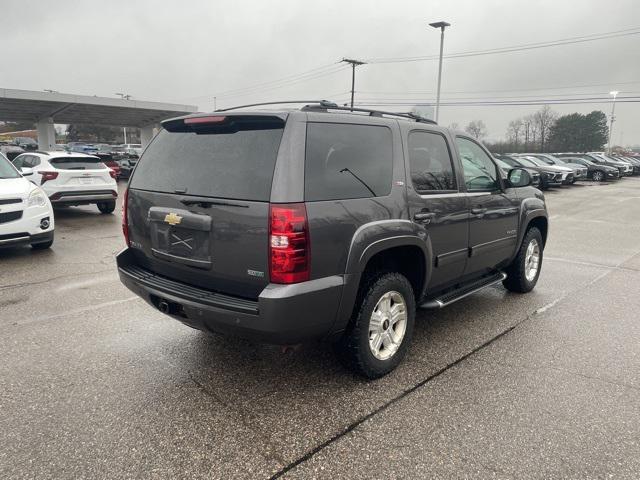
<point>532,260</point>
<point>387,325</point>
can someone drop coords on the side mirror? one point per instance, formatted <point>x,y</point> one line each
<point>26,171</point>
<point>519,177</point>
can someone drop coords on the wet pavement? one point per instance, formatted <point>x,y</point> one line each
<point>94,383</point>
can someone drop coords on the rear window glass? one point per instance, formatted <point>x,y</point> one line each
<point>347,161</point>
<point>77,163</point>
<point>235,165</point>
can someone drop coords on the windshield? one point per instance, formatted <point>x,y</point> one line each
<point>510,161</point>
<point>543,160</point>
<point>6,169</point>
<point>527,162</point>
<point>502,164</point>
<point>537,162</point>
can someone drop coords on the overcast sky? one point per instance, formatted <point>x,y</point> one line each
<point>190,51</point>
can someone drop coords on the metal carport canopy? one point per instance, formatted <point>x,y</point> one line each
<point>25,105</point>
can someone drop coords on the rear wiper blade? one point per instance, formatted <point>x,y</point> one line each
<point>208,203</point>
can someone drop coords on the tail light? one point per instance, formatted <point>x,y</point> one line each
<point>289,250</point>
<point>48,176</point>
<point>113,173</point>
<point>125,219</point>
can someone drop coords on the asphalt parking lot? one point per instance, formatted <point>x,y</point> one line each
<point>96,384</point>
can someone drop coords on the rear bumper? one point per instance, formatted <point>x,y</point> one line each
<point>80,197</point>
<point>282,314</point>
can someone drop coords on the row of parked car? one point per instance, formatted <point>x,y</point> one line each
<point>35,181</point>
<point>555,169</point>
<point>120,158</point>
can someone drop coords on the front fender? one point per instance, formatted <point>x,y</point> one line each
<point>530,208</point>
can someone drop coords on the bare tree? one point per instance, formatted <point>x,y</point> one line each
<point>454,126</point>
<point>476,128</point>
<point>515,131</point>
<point>544,119</point>
<point>530,130</point>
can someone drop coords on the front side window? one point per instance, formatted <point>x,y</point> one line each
<point>430,161</point>
<point>347,161</point>
<point>480,173</point>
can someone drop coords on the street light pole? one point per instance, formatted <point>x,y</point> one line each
<point>354,64</point>
<point>124,96</point>
<point>613,111</point>
<point>441,26</point>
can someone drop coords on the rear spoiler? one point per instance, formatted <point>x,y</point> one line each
<point>211,124</point>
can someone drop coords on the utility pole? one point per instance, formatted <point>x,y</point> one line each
<point>354,64</point>
<point>613,118</point>
<point>215,107</point>
<point>441,26</point>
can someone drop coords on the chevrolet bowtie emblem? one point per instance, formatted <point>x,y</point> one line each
<point>172,219</point>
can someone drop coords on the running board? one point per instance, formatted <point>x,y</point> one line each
<point>464,291</point>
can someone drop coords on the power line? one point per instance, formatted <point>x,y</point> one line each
<point>333,68</point>
<point>566,87</point>
<point>283,80</point>
<point>517,97</point>
<point>490,102</point>
<point>515,48</point>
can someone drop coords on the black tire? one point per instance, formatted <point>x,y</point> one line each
<point>354,349</point>
<point>517,280</point>
<point>107,207</point>
<point>597,176</point>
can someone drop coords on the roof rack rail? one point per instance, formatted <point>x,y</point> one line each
<point>321,102</point>
<point>327,105</point>
<point>39,151</point>
<point>373,113</point>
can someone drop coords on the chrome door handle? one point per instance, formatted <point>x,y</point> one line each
<point>478,211</point>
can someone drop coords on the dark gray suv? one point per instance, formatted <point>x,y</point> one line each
<point>290,225</point>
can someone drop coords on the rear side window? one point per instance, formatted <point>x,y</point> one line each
<point>347,161</point>
<point>77,163</point>
<point>430,160</point>
<point>206,163</point>
<point>31,161</point>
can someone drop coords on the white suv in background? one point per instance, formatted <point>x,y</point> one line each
<point>26,215</point>
<point>70,178</point>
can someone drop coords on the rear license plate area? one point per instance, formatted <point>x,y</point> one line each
<point>180,236</point>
